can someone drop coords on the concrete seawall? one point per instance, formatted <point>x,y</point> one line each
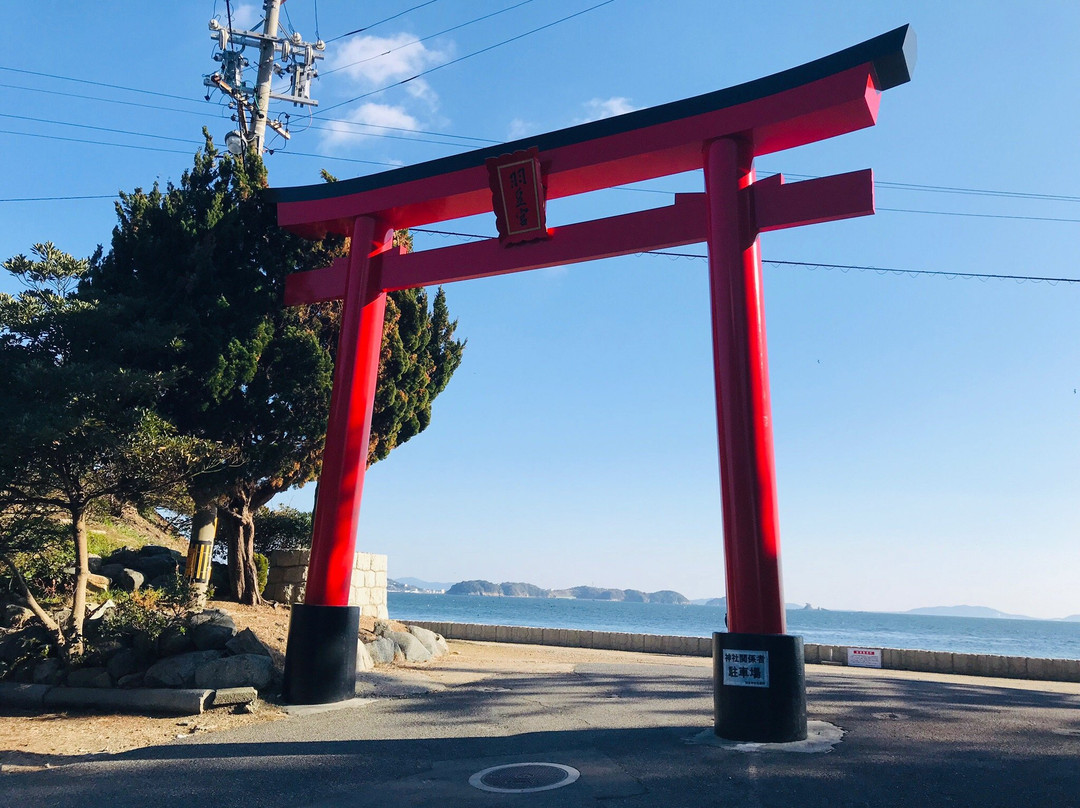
<point>1056,670</point>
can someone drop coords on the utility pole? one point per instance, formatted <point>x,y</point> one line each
<point>278,56</point>
<point>267,52</point>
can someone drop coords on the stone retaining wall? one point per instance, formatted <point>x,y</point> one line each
<point>287,581</point>
<point>1057,670</point>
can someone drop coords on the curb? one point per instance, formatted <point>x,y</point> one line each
<point>1001,667</point>
<point>154,700</point>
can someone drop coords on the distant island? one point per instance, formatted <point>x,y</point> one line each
<point>967,611</point>
<point>516,589</point>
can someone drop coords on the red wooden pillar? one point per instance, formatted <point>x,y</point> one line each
<point>356,370</point>
<point>320,660</point>
<point>755,601</point>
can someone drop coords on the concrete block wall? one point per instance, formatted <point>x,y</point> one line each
<point>287,581</point>
<point>1055,670</point>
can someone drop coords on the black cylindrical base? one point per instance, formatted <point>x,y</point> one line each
<point>320,658</point>
<point>759,687</point>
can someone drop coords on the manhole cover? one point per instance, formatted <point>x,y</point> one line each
<point>522,778</point>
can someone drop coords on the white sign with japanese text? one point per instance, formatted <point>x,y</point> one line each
<point>864,657</point>
<point>746,668</point>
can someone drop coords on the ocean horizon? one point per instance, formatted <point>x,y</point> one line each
<point>1049,639</point>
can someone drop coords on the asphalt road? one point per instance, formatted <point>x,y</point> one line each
<point>638,735</point>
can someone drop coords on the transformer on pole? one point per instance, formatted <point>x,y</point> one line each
<point>278,56</point>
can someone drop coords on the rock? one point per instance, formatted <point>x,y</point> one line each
<point>381,627</point>
<point>381,650</point>
<point>100,652</point>
<point>234,695</point>
<point>26,643</point>
<point>413,649</point>
<point>62,616</point>
<point>98,612</point>
<point>211,629</point>
<point>242,670</point>
<point>430,640</point>
<point>97,584</point>
<point>127,579</point>
<point>178,671</point>
<point>49,672</point>
<point>154,550</point>
<point>124,662</point>
<point>364,662</point>
<point>247,643</point>
<point>17,616</point>
<point>89,677</point>
<point>156,566</point>
<point>162,581</point>
<point>174,640</point>
<point>131,680</point>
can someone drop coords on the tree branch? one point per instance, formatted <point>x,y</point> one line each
<point>31,601</point>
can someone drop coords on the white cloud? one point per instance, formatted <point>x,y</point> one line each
<point>375,61</point>
<point>341,133</point>
<point>519,128</point>
<point>245,15</point>
<point>598,108</point>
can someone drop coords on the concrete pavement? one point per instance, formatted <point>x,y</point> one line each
<point>633,731</point>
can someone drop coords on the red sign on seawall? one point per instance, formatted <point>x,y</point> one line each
<point>864,657</point>
<point>517,195</point>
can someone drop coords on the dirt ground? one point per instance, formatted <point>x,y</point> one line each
<point>30,740</point>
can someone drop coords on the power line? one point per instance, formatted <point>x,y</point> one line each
<point>882,270</point>
<point>467,56</point>
<point>94,128</point>
<point>380,22</point>
<point>979,215</point>
<point>136,146</point>
<point>426,38</point>
<point>97,83</point>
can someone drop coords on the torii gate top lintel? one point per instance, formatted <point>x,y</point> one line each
<point>815,101</point>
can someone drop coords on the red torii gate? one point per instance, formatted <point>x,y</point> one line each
<point>763,696</point>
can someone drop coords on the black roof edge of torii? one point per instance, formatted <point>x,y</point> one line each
<point>892,54</point>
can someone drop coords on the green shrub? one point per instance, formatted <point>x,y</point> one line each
<point>281,529</point>
<point>262,570</point>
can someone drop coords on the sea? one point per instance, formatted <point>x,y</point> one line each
<point>1048,639</point>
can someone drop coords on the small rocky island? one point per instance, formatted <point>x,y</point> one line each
<point>513,589</point>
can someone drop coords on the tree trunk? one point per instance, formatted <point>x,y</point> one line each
<point>82,576</point>
<point>201,545</point>
<point>237,529</point>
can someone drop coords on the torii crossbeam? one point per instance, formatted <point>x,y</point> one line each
<point>763,697</point>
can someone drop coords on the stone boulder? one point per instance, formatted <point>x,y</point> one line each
<point>178,671</point>
<point>211,629</point>
<point>128,579</point>
<point>382,650</point>
<point>49,672</point>
<point>174,640</point>
<point>89,677</point>
<point>411,647</point>
<point>125,662</point>
<point>434,643</point>
<point>96,584</point>
<point>247,643</point>
<point>364,662</point>
<point>242,670</point>
<point>16,616</point>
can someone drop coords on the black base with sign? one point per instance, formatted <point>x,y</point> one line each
<point>320,657</point>
<point>759,687</point>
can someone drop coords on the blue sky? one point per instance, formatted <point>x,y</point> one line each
<point>926,427</point>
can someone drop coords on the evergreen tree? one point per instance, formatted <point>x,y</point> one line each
<point>194,281</point>
<point>74,426</point>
